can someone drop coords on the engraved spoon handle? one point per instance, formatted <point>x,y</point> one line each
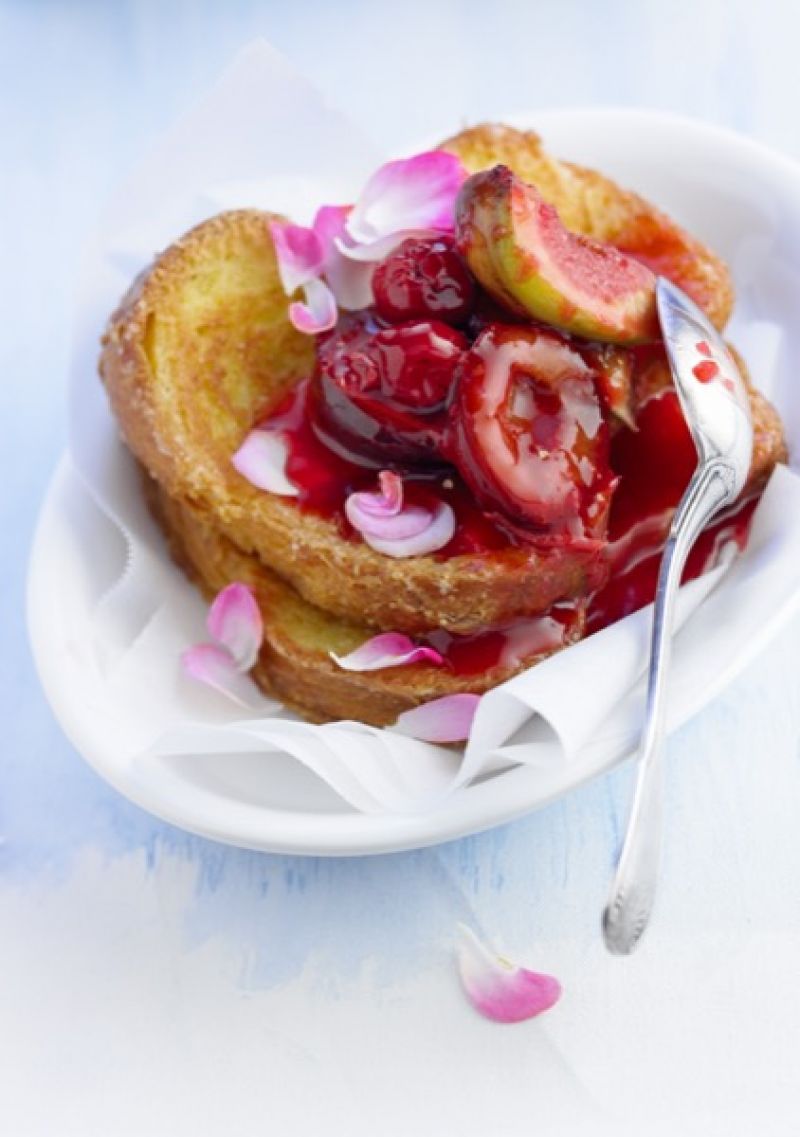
<point>634,886</point>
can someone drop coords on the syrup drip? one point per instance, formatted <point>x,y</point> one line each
<point>507,646</point>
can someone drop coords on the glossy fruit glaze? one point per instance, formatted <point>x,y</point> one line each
<point>325,475</point>
<point>508,646</point>
<point>655,463</point>
<point>424,280</point>
<point>434,383</point>
<point>529,434</point>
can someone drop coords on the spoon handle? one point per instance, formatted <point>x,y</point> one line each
<point>634,886</point>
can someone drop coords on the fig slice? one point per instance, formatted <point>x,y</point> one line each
<point>516,246</point>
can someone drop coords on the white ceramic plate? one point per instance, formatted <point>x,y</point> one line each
<point>744,201</point>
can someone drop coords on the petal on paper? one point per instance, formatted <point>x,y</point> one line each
<point>406,536</point>
<point>318,313</point>
<point>499,990</point>
<point>448,719</point>
<point>390,649</point>
<point>300,254</point>
<point>215,666</point>
<point>262,460</point>
<point>234,621</point>
<point>409,194</point>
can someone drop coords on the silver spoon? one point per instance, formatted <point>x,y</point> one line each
<point>717,411</point>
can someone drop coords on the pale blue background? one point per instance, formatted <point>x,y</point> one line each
<point>84,87</point>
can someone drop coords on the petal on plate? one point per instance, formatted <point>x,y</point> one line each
<point>448,719</point>
<point>234,621</point>
<point>390,649</point>
<point>499,990</point>
<point>408,194</point>
<point>215,666</point>
<point>262,460</point>
<point>318,313</point>
<point>300,254</point>
<point>406,536</point>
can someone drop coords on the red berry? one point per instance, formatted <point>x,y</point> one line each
<point>424,278</point>
<point>382,390</point>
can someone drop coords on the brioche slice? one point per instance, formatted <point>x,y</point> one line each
<point>198,351</point>
<point>591,204</point>
<point>294,664</point>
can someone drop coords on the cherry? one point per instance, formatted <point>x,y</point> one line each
<point>424,278</point>
<point>381,391</point>
<point>528,432</point>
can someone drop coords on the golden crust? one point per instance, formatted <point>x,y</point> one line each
<point>294,664</point>
<point>591,204</point>
<point>199,349</point>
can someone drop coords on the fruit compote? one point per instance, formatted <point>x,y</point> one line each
<point>533,438</point>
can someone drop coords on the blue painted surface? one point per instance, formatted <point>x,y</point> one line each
<point>83,88</point>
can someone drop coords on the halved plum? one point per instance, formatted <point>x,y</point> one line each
<point>528,433</point>
<point>516,246</point>
<point>381,391</point>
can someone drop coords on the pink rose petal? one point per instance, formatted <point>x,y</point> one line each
<point>408,195</point>
<point>388,501</point>
<point>300,254</point>
<point>234,621</point>
<point>500,990</point>
<point>329,223</point>
<point>349,280</point>
<point>318,313</point>
<point>215,666</point>
<point>391,649</point>
<point>370,253</point>
<point>396,531</point>
<point>262,460</point>
<point>440,525</point>
<point>448,719</point>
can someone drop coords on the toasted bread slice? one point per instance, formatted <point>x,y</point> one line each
<point>198,351</point>
<point>295,664</point>
<point>591,204</point>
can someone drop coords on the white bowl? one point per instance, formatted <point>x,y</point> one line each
<point>739,197</point>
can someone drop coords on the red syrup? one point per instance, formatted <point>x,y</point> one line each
<point>655,464</point>
<point>507,646</point>
<point>325,478</point>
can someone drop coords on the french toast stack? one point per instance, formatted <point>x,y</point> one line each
<point>201,349</point>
